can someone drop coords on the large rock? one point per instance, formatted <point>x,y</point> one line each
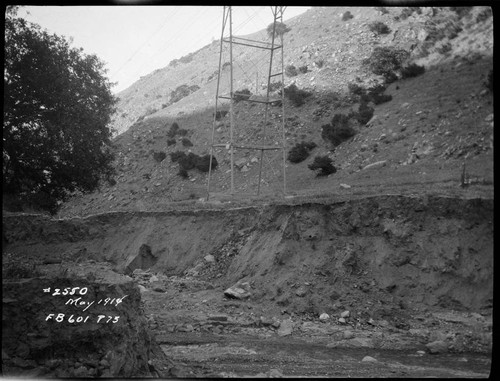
<point>238,291</point>
<point>286,328</point>
<point>437,347</point>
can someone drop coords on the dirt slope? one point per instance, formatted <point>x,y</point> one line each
<point>434,123</point>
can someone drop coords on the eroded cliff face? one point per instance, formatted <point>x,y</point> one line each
<point>429,251</point>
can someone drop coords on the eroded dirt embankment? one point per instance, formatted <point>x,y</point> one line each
<point>374,252</point>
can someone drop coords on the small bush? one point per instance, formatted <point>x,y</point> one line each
<point>385,61</point>
<point>274,86</point>
<point>319,63</point>
<point>364,114</point>
<point>182,132</point>
<point>324,164</point>
<point>183,173</point>
<point>177,156</point>
<point>242,95</point>
<point>300,151</point>
<point>381,98</point>
<point>346,16</point>
<point>171,142</point>
<point>291,71</point>
<point>379,27</point>
<point>173,130</point>
<point>296,95</point>
<point>159,156</point>
<point>203,163</point>
<point>186,142</point>
<point>338,131</point>
<point>356,89</point>
<point>303,69</point>
<point>412,70</point>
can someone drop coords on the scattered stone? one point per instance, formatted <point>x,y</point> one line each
<point>209,258</point>
<point>218,317</point>
<point>301,291</point>
<point>275,373</point>
<point>377,164</point>
<point>345,314</point>
<point>345,186</point>
<point>286,328</point>
<point>81,371</point>
<point>371,321</point>
<point>342,320</point>
<point>324,316</point>
<point>142,288</point>
<point>369,359</point>
<point>266,321</point>
<point>489,118</point>
<point>348,335</point>
<point>276,324</point>
<point>382,137</point>
<point>154,278</point>
<point>236,292</point>
<point>421,353</point>
<point>437,346</point>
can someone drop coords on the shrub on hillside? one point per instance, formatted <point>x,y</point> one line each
<point>182,132</point>
<point>303,69</point>
<point>279,30</point>
<point>291,71</point>
<point>412,70</point>
<point>183,173</point>
<point>182,91</point>
<point>379,27</point>
<point>300,151</point>
<point>171,142</point>
<point>356,89</point>
<point>274,86</point>
<point>364,114</point>
<point>159,156</point>
<point>320,63</point>
<point>295,95</point>
<point>186,142</point>
<point>324,164</point>
<point>346,16</point>
<point>381,98</point>
<point>190,161</point>
<point>203,163</point>
<point>386,60</point>
<point>173,130</point>
<point>338,131</point>
<point>242,95</point>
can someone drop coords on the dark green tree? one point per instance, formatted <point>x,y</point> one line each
<point>57,107</point>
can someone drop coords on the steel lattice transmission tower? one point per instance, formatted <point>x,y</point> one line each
<point>274,95</point>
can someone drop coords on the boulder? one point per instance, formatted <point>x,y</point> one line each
<point>324,316</point>
<point>369,359</point>
<point>235,292</point>
<point>301,291</point>
<point>437,347</point>
<point>286,328</point>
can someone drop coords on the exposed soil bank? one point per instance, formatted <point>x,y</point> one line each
<point>428,251</point>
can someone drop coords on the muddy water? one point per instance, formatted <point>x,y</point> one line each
<point>249,357</point>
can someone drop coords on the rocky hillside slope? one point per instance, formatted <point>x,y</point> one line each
<point>417,142</point>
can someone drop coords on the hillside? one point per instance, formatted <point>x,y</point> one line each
<point>420,139</point>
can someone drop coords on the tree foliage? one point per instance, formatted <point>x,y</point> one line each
<point>57,107</point>
<point>280,29</point>
<point>323,165</point>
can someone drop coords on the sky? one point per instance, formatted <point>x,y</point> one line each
<point>133,41</point>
